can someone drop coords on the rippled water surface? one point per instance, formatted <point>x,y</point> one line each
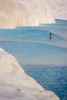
<point>51,78</point>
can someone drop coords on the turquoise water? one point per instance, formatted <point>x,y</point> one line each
<point>38,49</point>
<point>38,35</point>
<point>33,34</point>
<point>36,53</point>
<point>43,51</point>
<point>51,78</point>
<point>51,52</point>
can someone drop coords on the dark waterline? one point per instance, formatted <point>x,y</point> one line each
<point>51,78</point>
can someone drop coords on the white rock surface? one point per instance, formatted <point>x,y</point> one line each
<point>16,85</point>
<point>59,8</point>
<point>24,13</point>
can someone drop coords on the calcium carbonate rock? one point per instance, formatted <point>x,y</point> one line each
<point>24,13</point>
<point>16,85</point>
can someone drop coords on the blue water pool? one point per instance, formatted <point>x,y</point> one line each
<point>38,49</point>
<point>51,78</point>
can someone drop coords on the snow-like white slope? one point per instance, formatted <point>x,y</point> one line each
<point>16,85</point>
<point>24,13</point>
<point>59,8</point>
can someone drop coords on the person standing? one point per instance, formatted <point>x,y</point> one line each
<point>50,36</point>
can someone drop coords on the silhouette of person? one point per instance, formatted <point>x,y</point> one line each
<point>50,36</point>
